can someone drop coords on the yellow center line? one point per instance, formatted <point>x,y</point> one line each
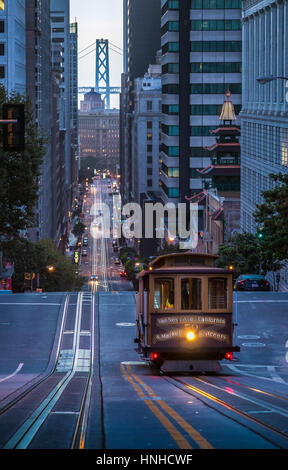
<point>193,433</point>
<point>176,435</point>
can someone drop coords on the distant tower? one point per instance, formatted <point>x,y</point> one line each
<point>102,68</point>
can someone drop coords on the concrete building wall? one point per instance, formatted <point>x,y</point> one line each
<point>13,62</point>
<point>201,59</point>
<point>264,116</point>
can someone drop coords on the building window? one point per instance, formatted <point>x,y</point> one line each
<point>216,46</point>
<point>216,4</point>
<point>149,105</point>
<point>57,19</point>
<point>173,4</point>
<point>284,148</point>
<point>172,109</point>
<point>2,48</point>
<point>216,88</point>
<point>215,25</point>
<point>173,25</point>
<point>2,26</point>
<point>216,67</point>
<point>170,68</point>
<point>170,130</point>
<point>201,130</point>
<point>149,183</point>
<point>210,109</point>
<point>171,89</point>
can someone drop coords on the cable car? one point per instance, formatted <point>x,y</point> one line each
<point>184,313</point>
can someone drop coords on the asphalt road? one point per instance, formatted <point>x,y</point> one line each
<point>70,374</point>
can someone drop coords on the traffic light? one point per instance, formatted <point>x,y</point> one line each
<point>14,133</point>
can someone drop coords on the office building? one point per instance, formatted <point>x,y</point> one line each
<point>60,32</point>
<point>145,132</point>
<point>264,116</point>
<point>142,40</point>
<point>201,60</point>
<point>13,46</point>
<point>98,129</point>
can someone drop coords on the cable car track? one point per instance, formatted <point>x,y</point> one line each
<point>265,430</point>
<point>52,387</point>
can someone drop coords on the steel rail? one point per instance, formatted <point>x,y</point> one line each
<point>78,441</point>
<point>30,388</point>
<point>202,395</point>
<point>27,431</point>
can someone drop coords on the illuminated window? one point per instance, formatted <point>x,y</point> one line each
<point>284,148</point>
<point>164,294</point>
<point>2,4</point>
<point>191,294</point>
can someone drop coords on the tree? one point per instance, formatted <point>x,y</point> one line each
<point>79,229</point>
<point>242,252</point>
<point>19,174</point>
<point>272,219</point>
<point>35,258</point>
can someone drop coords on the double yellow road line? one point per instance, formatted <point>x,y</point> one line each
<point>165,413</point>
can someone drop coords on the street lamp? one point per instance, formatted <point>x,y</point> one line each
<point>269,78</point>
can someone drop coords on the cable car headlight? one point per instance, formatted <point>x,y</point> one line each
<point>190,335</point>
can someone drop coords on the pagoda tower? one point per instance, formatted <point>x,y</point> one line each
<point>224,171</point>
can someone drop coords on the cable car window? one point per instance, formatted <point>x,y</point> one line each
<point>217,293</point>
<point>164,294</point>
<point>191,294</point>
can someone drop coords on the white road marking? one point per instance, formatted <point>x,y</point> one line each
<point>14,373</point>
<point>32,303</point>
<point>238,370</point>
<point>259,301</point>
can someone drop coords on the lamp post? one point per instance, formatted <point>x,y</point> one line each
<point>269,78</point>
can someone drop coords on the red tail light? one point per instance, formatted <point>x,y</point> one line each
<point>154,356</point>
<point>229,356</point>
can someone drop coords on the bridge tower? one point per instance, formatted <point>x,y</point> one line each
<point>102,78</point>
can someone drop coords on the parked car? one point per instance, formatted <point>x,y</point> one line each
<point>117,261</point>
<point>123,274</point>
<point>84,252</point>
<point>85,241</point>
<point>251,282</point>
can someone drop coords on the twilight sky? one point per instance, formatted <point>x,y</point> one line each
<point>98,19</point>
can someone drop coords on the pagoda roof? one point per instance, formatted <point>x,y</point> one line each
<point>217,214</point>
<point>197,198</point>
<point>227,146</point>
<point>226,130</point>
<point>218,170</point>
<point>227,112</point>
